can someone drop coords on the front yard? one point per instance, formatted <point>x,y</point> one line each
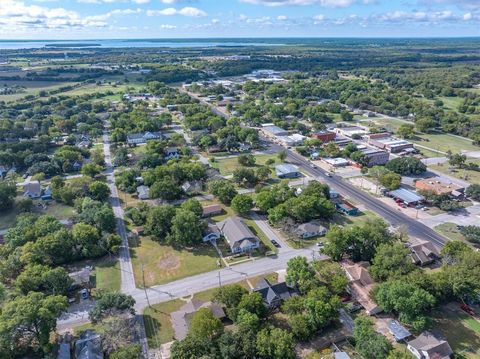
<point>163,263</point>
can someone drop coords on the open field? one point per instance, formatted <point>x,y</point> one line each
<point>31,88</point>
<point>463,174</point>
<point>107,275</point>
<point>450,231</point>
<point>461,331</point>
<point>226,166</point>
<point>163,264</point>
<point>451,103</point>
<point>444,142</point>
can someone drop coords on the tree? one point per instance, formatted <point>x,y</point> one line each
<point>300,274</point>
<point>282,155</point>
<point>29,320</point>
<point>265,200</point>
<point>117,333</point>
<point>406,166</point>
<point>86,239</point>
<point>457,160</point>
<point>166,189</point>
<point>204,325</point>
<point>390,180</point>
<point>186,228</point>
<point>224,190</point>
<point>159,221</point>
<point>332,275</point>
<point>473,191</point>
<point>391,261</point>
<point>245,177</point>
<point>25,205</point>
<point>253,303</point>
<point>132,351</point>
<point>368,342</point>
<point>99,191</point>
<point>8,190</point>
<point>275,343</point>
<point>406,131</point>
<point>41,278</point>
<point>230,296</point>
<point>246,160</point>
<point>407,299</point>
<point>346,115</point>
<point>90,170</point>
<point>263,173</point>
<point>111,304</point>
<point>192,205</point>
<point>242,204</point>
<point>190,347</point>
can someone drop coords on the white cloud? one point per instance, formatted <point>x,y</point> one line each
<point>170,11</point>
<point>139,2</point>
<point>167,27</point>
<point>326,3</point>
<point>282,17</point>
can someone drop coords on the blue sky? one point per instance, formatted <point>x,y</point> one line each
<point>96,19</point>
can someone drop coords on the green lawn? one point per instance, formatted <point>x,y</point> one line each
<point>451,103</point>
<point>107,275</point>
<point>450,231</point>
<point>32,88</point>
<point>163,264</point>
<point>226,166</point>
<point>444,142</point>
<point>461,331</point>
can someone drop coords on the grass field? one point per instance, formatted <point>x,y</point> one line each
<point>450,231</point>
<point>461,331</point>
<point>163,264</point>
<point>444,142</point>
<point>463,174</point>
<point>107,275</point>
<point>451,103</point>
<point>226,166</point>
<point>32,88</point>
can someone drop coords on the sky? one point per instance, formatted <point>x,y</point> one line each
<point>112,19</point>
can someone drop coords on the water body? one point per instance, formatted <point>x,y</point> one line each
<point>134,43</point>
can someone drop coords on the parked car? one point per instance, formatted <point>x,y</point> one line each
<point>320,244</point>
<point>275,243</point>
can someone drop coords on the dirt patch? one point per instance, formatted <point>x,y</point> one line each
<point>169,263</point>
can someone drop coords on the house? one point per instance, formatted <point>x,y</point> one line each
<point>430,346</point>
<point>83,143</point>
<point>324,136</point>
<point>438,186</point>
<point>336,162</point>
<point>286,170</point>
<point>212,210</point>
<point>77,166</point>
<point>140,138</point>
<point>81,278</point>
<point>32,190</point>
<point>345,207</point>
<point>171,153</point>
<point>310,229</point>
<point>424,252</point>
<point>238,235</point>
<point>360,285</point>
<point>398,331</point>
<point>190,187</point>
<point>211,232</point>
<point>406,196</point>
<point>375,157</point>
<point>143,192</point>
<point>274,294</point>
<point>181,317</point>
<point>89,346</point>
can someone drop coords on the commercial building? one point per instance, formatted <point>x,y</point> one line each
<point>439,185</point>
<point>286,170</point>
<point>351,131</point>
<point>406,196</point>
<point>272,131</point>
<point>375,157</point>
<point>324,136</point>
<point>291,140</point>
<point>391,144</point>
<point>336,162</point>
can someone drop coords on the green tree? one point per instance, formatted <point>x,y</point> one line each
<point>473,191</point>
<point>159,221</point>
<point>242,204</point>
<point>192,205</point>
<point>186,228</point>
<point>110,304</point>
<point>8,190</point>
<point>406,166</point>
<point>246,160</point>
<point>224,190</point>
<point>457,160</point>
<point>166,189</point>
<point>391,261</point>
<point>29,321</point>
<point>41,278</point>
<point>253,303</point>
<point>368,342</point>
<point>300,274</point>
<point>406,131</point>
<point>275,343</point>
<point>204,325</point>
<point>282,155</point>
<point>390,180</point>
<point>229,296</point>
<point>132,351</point>
<point>332,275</point>
<point>263,173</point>
<point>99,191</point>
<point>90,170</point>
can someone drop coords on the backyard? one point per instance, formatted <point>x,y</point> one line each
<point>227,165</point>
<point>163,263</point>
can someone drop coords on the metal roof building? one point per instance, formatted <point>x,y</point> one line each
<point>398,331</point>
<point>406,196</point>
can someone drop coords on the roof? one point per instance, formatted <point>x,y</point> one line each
<point>234,230</point>
<point>33,188</point>
<point>81,277</point>
<point>274,293</point>
<point>341,355</point>
<point>361,284</point>
<point>180,317</point>
<point>211,209</point>
<point>398,330</point>
<point>406,195</point>
<point>64,351</point>
<point>438,185</point>
<point>274,130</point>
<point>433,344</point>
<point>311,227</point>
<point>336,161</point>
<point>424,252</point>
<point>286,168</point>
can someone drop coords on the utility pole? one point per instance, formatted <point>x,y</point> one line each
<point>144,287</point>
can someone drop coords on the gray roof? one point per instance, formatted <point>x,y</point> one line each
<point>64,351</point>
<point>433,344</point>
<point>89,346</point>
<point>275,130</point>
<point>311,227</point>
<point>406,195</point>
<point>234,230</point>
<point>273,294</point>
<point>398,330</point>
<point>286,168</point>
<point>341,355</point>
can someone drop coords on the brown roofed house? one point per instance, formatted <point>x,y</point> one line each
<point>238,235</point>
<point>424,252</point>
<point>430,346</point>
<point>212,210</point>
<point>438,186</point>
<point>361,284</point>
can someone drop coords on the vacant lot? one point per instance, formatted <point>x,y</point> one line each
<point>444,142</point>
<point>450,231</point>
<point>163,264</point>
<point>226,166</point>
<point>31,88</point>
<point>461,330</point>
<point>463,174</point>
<point>107,275</point>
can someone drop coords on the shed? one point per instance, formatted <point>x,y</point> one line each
<point>406,196</point>
<point>398,331</point>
